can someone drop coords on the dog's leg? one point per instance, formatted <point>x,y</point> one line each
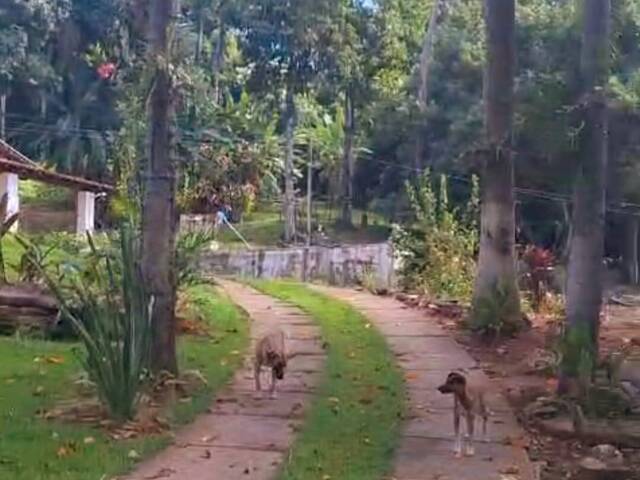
<point>256,374</point>
<point>457,449</point>
<point>485,417</point>
<point>469,448</point>
<point>273,384</point>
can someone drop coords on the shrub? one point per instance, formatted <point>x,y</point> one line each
<point>539,264</point>
<point>115,325</point>
<point>188,250</point>
<point>491,311</point>
<point>437,253</point>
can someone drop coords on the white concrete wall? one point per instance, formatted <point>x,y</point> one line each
<point>346,265</point>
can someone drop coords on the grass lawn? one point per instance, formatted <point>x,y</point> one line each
<point>36,375</point>
<point>264,228</point>
<point>353,425</point>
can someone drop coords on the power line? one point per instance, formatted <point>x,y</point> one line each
<point>192,138</point>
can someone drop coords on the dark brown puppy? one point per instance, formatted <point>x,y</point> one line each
<point>271,352</point>
<point>468,401</point>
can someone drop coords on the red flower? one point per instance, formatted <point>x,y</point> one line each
<point>106,70</point>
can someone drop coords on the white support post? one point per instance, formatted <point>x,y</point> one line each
<point>9,185</point>
<point>85,213</point>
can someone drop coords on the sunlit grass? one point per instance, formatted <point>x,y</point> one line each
<point>353,425</point>
<point>36,375</point>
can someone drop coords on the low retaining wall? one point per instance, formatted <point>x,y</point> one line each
<point>348,265</point>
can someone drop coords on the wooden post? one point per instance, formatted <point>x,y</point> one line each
<point>9,185</point>
<point>85,212</point>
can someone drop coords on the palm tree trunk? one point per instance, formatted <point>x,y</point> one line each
<point>288,206</point>
<point>496,277</point>
<point>217,62</point>
<point>159,219</point>
<point>585,271</point>
<point>346,217</point>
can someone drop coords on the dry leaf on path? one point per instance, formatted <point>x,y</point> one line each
<point>163,473</point>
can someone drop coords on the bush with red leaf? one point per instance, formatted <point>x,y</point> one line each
<point>106,70</point>
<point>540,263</point>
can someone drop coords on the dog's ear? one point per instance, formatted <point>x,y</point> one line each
<point>456,379</point>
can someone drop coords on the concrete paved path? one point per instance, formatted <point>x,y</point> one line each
<point>427,354</point>
<point>240,437</point>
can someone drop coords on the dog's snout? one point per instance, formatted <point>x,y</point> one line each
<point>444,389</point>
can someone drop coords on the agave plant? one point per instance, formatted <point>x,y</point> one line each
<point>114,325</point>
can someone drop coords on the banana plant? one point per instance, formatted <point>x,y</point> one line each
<point>7,221</point>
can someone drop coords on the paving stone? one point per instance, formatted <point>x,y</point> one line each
<point>245,403</point>
<point>210,463</point>
<point>433,459</point>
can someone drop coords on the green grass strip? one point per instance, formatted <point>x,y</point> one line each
<point>37,375</point>
<point>352,428</point>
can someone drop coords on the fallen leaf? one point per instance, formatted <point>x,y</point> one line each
<point>89,440</point>
<point>367,441</point>
<point>333,400</point>
<point>411,376</point>
<point>133,455</point>
<point>62,452</point>
<point>54,359</point>
<point>512,470</point>
<point>39,390</point>
<point>163,473</point>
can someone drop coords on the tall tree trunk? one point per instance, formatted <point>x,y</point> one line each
<point>346,216</point>
<point>630,249</point>
<point>289,206</point>
<point>159,219</point>
<point>426,60</point>
<point>200,38</point>
<point>585,271</point>
<point>217,61</point>
<point>496,282</point>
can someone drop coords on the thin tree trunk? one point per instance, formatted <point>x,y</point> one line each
<point>585,272</point>
<point>288,206</point>
<point>496,277</point>
<point>159,219</point>
<point>217,61</point>
<point>630,250</point>
<point>346,217</point>
<point>426,60</point>
<point>3,115</point>
<point>200,39</point>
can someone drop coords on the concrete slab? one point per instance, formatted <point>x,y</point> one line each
<point>209,463</point>
<point>427,355</point>
<point>432,459</point>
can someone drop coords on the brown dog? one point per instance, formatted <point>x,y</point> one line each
<point>468,400</point>
<point>271,353</point>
